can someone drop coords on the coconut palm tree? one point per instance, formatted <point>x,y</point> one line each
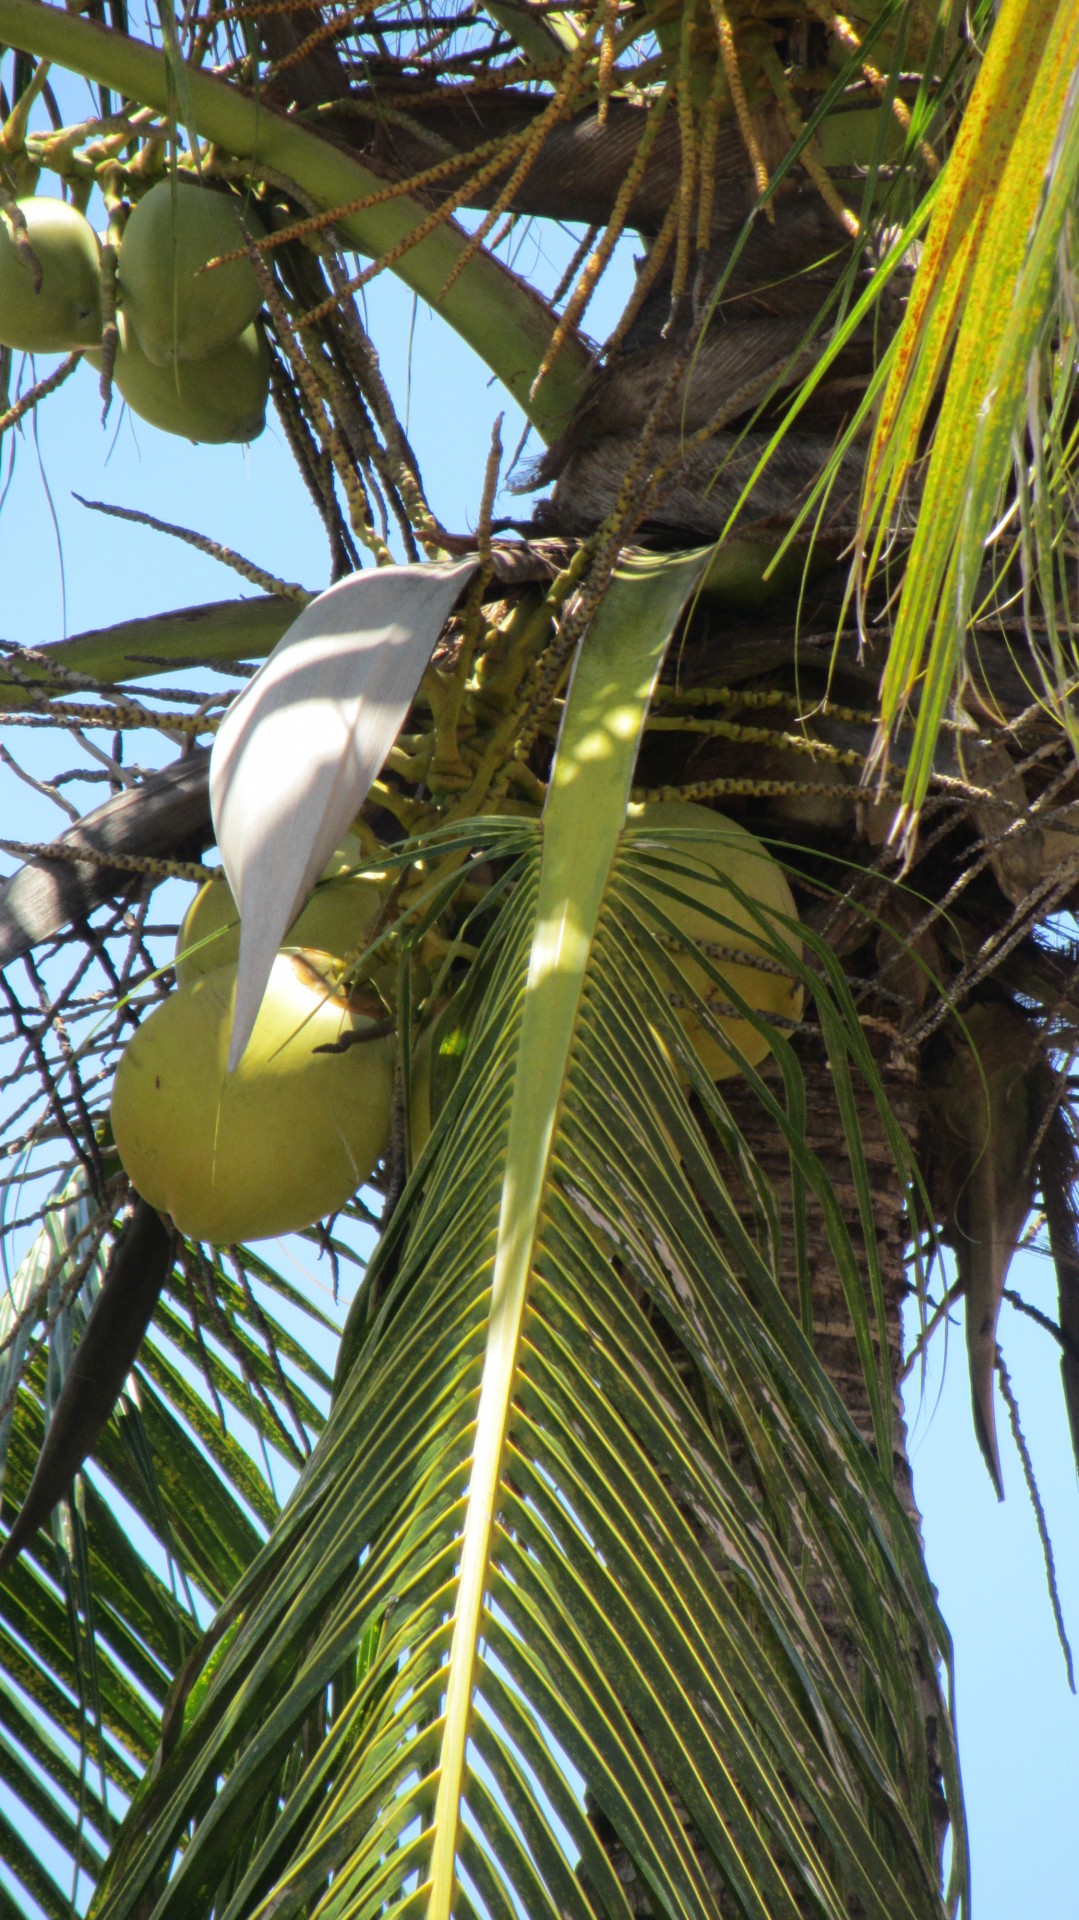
<point>715,816</point>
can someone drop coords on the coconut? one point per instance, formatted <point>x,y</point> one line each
<point>177,308</point>
<point>219,399</point>
<point>64,312</point>
<point>726,877</point>
<point>336,919</point>
<point>285,1139</point>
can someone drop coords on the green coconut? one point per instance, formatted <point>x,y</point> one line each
<point>284,1140</point>
<point>218,400</point>
<point>726,876</point>
<point>64,312</point>
<point>177,308</point>
<point>336,919</point>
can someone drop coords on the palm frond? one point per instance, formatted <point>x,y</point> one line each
<point>978,332</point>
<point>547,1594</point>
<point>102,1608</point>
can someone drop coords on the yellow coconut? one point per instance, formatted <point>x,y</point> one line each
<point>177,309</point>
<point>64,312</point>
<point>278,1144</point>
<point>725,877</point>
<point>218,400</point>
<point>336,919</point>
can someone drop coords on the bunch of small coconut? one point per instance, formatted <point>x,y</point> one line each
<point>192,357</point>
<point>302,1122</point>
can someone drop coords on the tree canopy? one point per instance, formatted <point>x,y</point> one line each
<point>598,1591</point>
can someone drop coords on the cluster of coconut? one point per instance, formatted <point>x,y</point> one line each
<point>192,356</point>
<point>303,1121</point>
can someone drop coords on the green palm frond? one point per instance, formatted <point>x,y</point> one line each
<point>983,333</point>
<point>547,1592</point>
<point>102,1608</point>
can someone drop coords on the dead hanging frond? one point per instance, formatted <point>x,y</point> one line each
<point>139,1263</point>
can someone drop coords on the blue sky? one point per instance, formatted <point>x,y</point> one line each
<point>1018,1725</point>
